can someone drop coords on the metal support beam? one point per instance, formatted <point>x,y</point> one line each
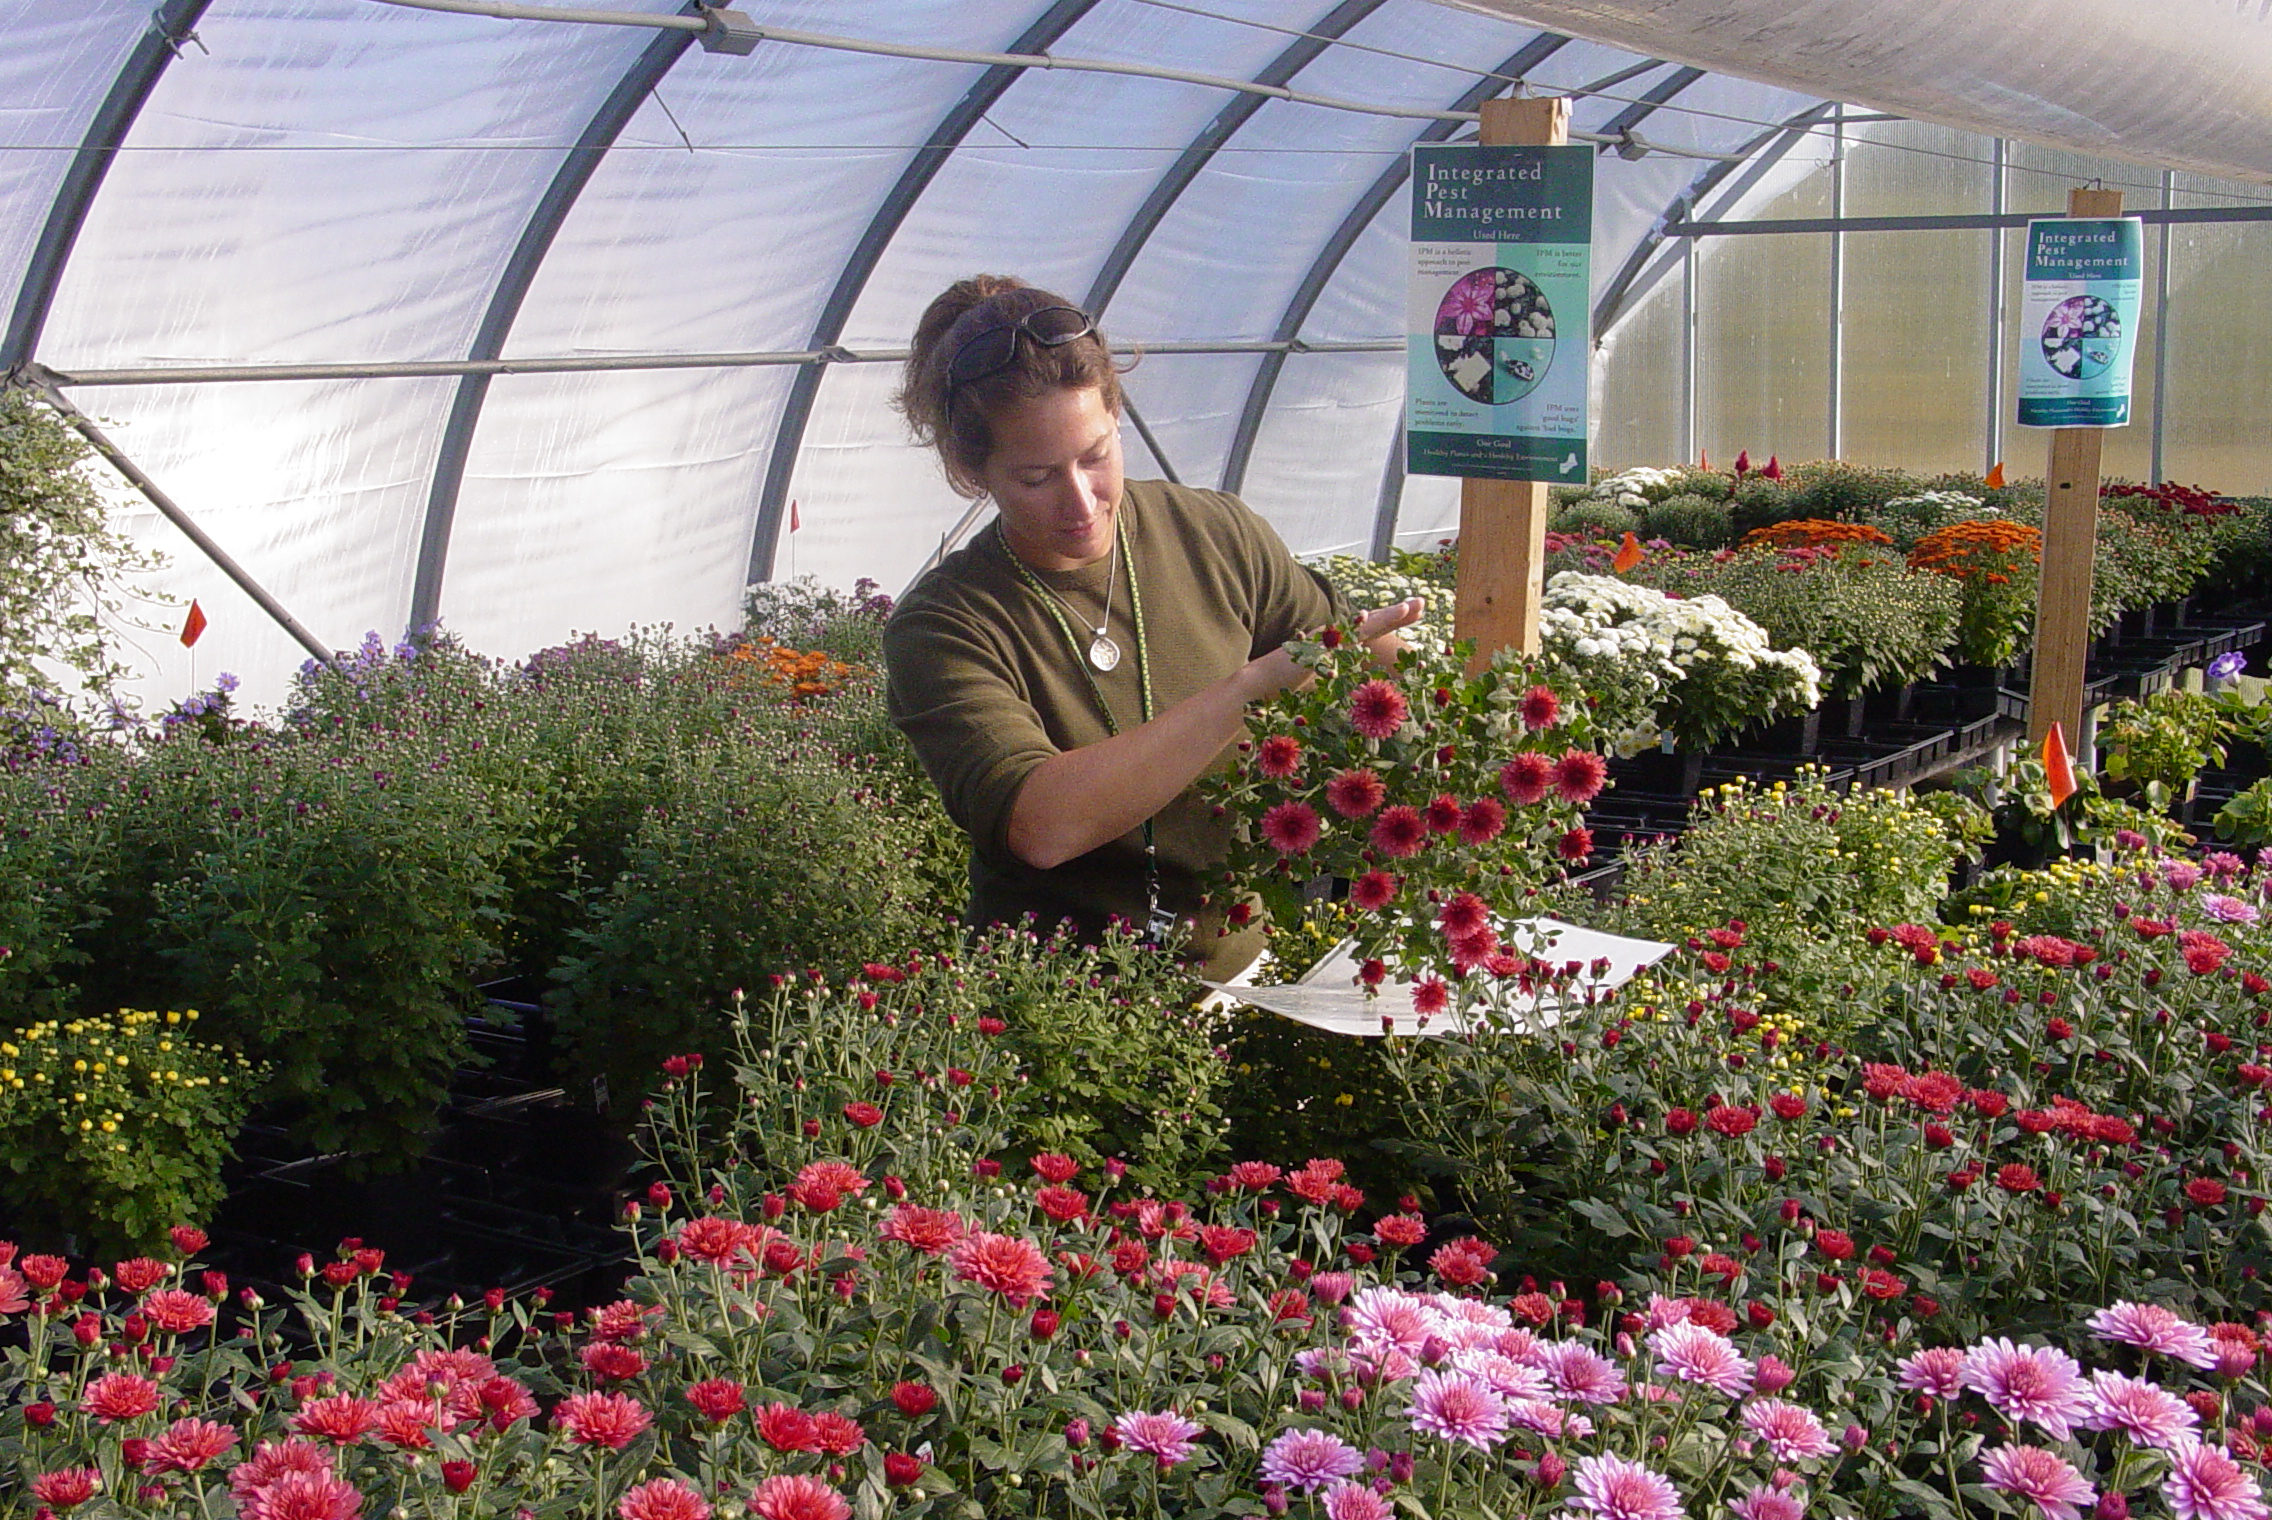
<point>1835,417</point>
<point>2161,335</point>
<point>169,27</point>
<point>1212,137</point>
<point>1688,272</point>
<point>2183,216</point>
<point>34,379</point>
<point>1144,431</point>
<point>1999,188</point>
<point>543,226</point>
<point>1392,496</point>
<point>852,279</point>
<point>1749,165</point>
<point>1321,271</point>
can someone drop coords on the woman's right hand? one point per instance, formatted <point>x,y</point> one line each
<point>1270,674</point>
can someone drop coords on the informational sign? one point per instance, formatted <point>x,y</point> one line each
<point>1499,312</point>
<point>2079,320</point>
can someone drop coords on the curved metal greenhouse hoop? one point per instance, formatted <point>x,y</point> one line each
<point>796,412</point>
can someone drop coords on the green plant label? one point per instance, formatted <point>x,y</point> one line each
<point>1498,316</point>
<point>2079,320</point>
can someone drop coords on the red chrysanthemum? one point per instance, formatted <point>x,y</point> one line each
<point>797,1496</point>
<point>1399,832</point>
<point>1443,814</point>
<point>1377,710</point>
<point>2018,1177</point>
<point>340,1419</point>
<point>177,1312</point>
<point>1292,827</point>
<point>1575,846</point>
<point>1279,756</point>
<point>1465,915</point>
<point>1525,778</point>
<point>717,1399</point>
<point>1540,708</point>
<point>1054,1166</point>
<point>863,1113</point>
<point>785,1427</point>
<point>2204,1192</point>
<point>1355,793</point>
<point>188,1445</point>
<point>931,1231</point>
<point>1003,1264</point>
<point>1062,1204</point>
<point>1372,891</point>
<point>119,1396</point>
<point>1484,821</point>
<point>612,1420</point>
<point>1730,1121</point>
<point>915,1400</point>
<point>1579,776</point>
<point>662,1499</point>
<point>1430,996</point>
<point>138,1274</point>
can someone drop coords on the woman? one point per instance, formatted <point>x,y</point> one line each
<point>1069,674</point>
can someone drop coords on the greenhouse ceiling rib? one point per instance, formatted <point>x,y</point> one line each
<point>1756,157</point>
<point>796,412</point>
<point>169,27</point>
<point>2177,83</point>
<point>568,182</point>
<point>1211,137</point>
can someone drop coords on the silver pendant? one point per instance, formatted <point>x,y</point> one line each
<point>1104,654</point>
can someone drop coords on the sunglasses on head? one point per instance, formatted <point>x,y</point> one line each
<point>996,349</point>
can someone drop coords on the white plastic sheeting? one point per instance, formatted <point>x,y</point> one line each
<point>342,181</point>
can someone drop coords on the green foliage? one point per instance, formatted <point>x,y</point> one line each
<point>1596,519</point>
<point>2159,744</point>
<point>62,565</point>
<point>2247,818</point>
<point>114,1128</point>
<point>1834,488</point>
<point>1690,521</point>
<point>1796,863</point>
<point>803,614</point>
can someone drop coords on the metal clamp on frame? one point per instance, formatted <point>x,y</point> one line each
<point>729,31</point>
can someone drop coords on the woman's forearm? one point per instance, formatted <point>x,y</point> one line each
<point>1081,798</point>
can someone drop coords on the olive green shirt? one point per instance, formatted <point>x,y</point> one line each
<point>984,683</point>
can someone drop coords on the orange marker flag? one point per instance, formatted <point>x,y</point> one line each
<point>795,522</point>
<point>2057,768</point>
<point>1629,554</point>
<point>1996,476</point>
<point>193,626</point>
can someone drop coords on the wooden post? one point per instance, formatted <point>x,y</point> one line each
<point>1502,523</point>
<point>2070,546</point>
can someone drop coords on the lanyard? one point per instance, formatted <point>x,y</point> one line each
<point>1157,924</point>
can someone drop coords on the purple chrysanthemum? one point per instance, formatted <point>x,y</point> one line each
<point>2205,1484</point>
<point>2032,1473</point>
<point>1309,1459</point>
<point>1696,1354</point>
<point>1579,1372</point>
<point>1788,1430</point>
<point>1382,1318</point>
<point>2147,1413</point>
<point>1354,1501</point>
<point>1458,1406</point>
<point>1612,1488</point>
<point>1165,1434</point>
<point>2036,1383</point>
<point>1936,1372</point>
<point>2150,1327</point>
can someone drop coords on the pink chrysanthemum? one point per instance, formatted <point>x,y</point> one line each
<point>1279,756</point>
<point>2228,910</point>
<point>1579,1372</point>
<point>1372,891</point>
<point>1355,793</point>
<point>797,1496</point>
<point>67,1487</point>
<point>1292,827</point>
<point>1788,1430</point>
<point>602,1419</point>
<point>304,1496</point>
<point>2038,1383</point>
<point>2030,1472</point>
<point>2148,1414</point>
<point>1399,832</point>
<point>1354,1501</point>
<point>662,1499</point>
<point>1526,778</point>
<point>1695,1354</point>
<point>1508,1378</point>
<point>1377,710</point>
<point>1005,1264</point>
<point>1768,1504</point>
<point>1163,1434</point>
<point>2150,1327</point>
<point>1309,1459</point>
<point>2205,1484</point>
<point>177,1311</point>
<point>1579,775</point>
<point>1612,1488</point>
<point>1379,1318</point>
<point>272,1460</point>
<point>1458,1406</point>
<point>188,1445</point>
<point>931,1231</point>
<point>1540,708</point>
<point>119,1396</point>
<point>1937,1372</point>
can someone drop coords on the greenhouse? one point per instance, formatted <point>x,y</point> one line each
<point>1135,757</point>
